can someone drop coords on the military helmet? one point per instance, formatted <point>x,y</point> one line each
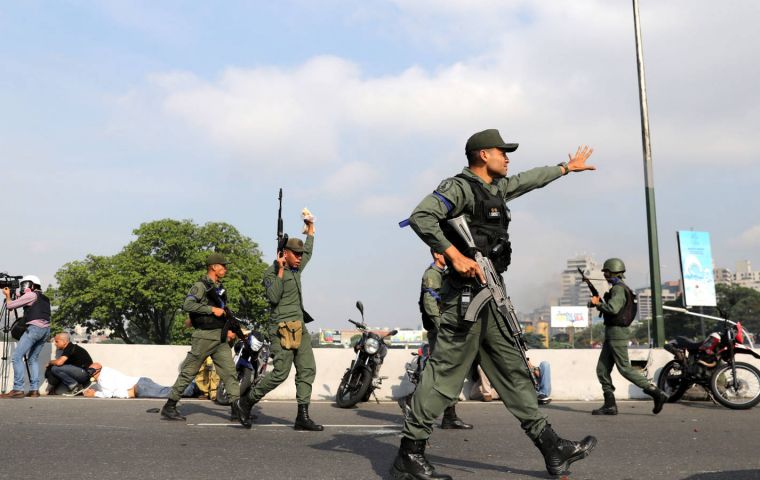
<point>614,265</point>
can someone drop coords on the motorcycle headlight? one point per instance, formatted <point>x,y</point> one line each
<point>371,346</point>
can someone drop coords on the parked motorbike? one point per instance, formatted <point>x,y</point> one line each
<point>363,376</point>
<point>711,364</point>
<point>415,366</point>
<point>251,357</point>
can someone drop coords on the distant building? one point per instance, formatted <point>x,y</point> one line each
<point>744,276</point>
<point>573,292</point>
<point>723,276</point>
<point>79,334</point>
<point>670,292</point>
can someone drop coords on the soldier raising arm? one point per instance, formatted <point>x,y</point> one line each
<point>480,193</point>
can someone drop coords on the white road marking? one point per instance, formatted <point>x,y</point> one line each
<point>282,425</point>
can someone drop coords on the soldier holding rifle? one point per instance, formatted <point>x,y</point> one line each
<point>478,195</point>
<point>207,305</point>
<point>618,307</point>
<point>291,342</point>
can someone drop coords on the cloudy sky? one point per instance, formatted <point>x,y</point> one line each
<point>117,113</point>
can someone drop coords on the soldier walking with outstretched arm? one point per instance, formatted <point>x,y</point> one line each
<point>479,193</point>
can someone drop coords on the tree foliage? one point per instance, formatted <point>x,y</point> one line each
<point>534,340</point>
<point>740,304</point>
<point>138,292</point>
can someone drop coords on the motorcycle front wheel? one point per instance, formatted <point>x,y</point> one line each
<point>746,393</point>
<point>353,387</point>
<point>672,381</point>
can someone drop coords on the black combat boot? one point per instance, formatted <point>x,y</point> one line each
<point>609,407</point>
<point>243,407</point>
<point>234,412</point>
<point>658,396</point>
<point>303,422</point>
<point>560,453</point>
<point>411,464</point>
<point>170,412</point>
<point>452,421</point>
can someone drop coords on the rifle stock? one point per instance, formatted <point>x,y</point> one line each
<point>494,291</point>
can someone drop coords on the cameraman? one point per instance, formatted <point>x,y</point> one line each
<point>37,316</point>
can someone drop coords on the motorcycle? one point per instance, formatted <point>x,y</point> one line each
<point>251,357</point>
<point>362,377</point>
<point>415,366</point>
<point>711,364</point>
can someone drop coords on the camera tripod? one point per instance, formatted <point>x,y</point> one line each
<point>5,319</point>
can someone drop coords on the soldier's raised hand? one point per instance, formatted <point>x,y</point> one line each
<point>577,162</point>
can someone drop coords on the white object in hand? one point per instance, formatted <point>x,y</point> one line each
<point>308,217</point>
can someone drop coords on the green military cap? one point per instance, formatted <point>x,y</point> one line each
<point>488,139</point>
<point>295,245</point>
<point>216,258</point>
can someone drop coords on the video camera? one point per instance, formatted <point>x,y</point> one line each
<point>12,282</point>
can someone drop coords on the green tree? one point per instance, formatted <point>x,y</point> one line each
<point>585,337</point>
<point>741,304</point>
<point>534,340</point>
<point>138,292</point>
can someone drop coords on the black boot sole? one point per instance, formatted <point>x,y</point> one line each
<point>399,475</point>
<point>562,469</point>
<point>604,412</point>
<point>302,428</point>
<point>173,419</point>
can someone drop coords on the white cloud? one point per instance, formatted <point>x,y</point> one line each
<point>749,238</point>
<point>350,178</point>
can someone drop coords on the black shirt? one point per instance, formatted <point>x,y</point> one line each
<point>77,356</point>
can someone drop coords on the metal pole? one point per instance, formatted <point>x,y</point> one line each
<point>654,250</point>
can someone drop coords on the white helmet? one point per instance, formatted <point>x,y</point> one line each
<point>32,279</point>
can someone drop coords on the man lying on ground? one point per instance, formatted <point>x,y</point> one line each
<point>111,383</point>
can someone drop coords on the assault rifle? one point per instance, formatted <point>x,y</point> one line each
<point>494,291</point>
<point>591,287</point>
<point>282,238</point>
<point>232,323</point>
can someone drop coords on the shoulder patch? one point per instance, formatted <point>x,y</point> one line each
<point>268,282</point>
<point>445,185</point>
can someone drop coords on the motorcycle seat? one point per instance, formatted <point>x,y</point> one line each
<point>687,344</point>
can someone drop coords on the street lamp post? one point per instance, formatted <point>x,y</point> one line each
<point>654,249</point>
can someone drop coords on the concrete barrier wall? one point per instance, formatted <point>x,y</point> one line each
<point>573,371</point>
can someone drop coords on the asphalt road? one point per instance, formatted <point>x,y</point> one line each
<point>94,438</point>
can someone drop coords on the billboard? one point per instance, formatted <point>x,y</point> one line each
<point>695,255</point>
<point>564,317</point>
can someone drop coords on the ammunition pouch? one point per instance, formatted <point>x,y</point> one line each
<point>290,334</point>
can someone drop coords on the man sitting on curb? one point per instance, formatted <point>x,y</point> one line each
<point>70,368</point>
<point>111,383</point>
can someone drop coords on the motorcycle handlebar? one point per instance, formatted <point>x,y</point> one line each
<point>360,325</point>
